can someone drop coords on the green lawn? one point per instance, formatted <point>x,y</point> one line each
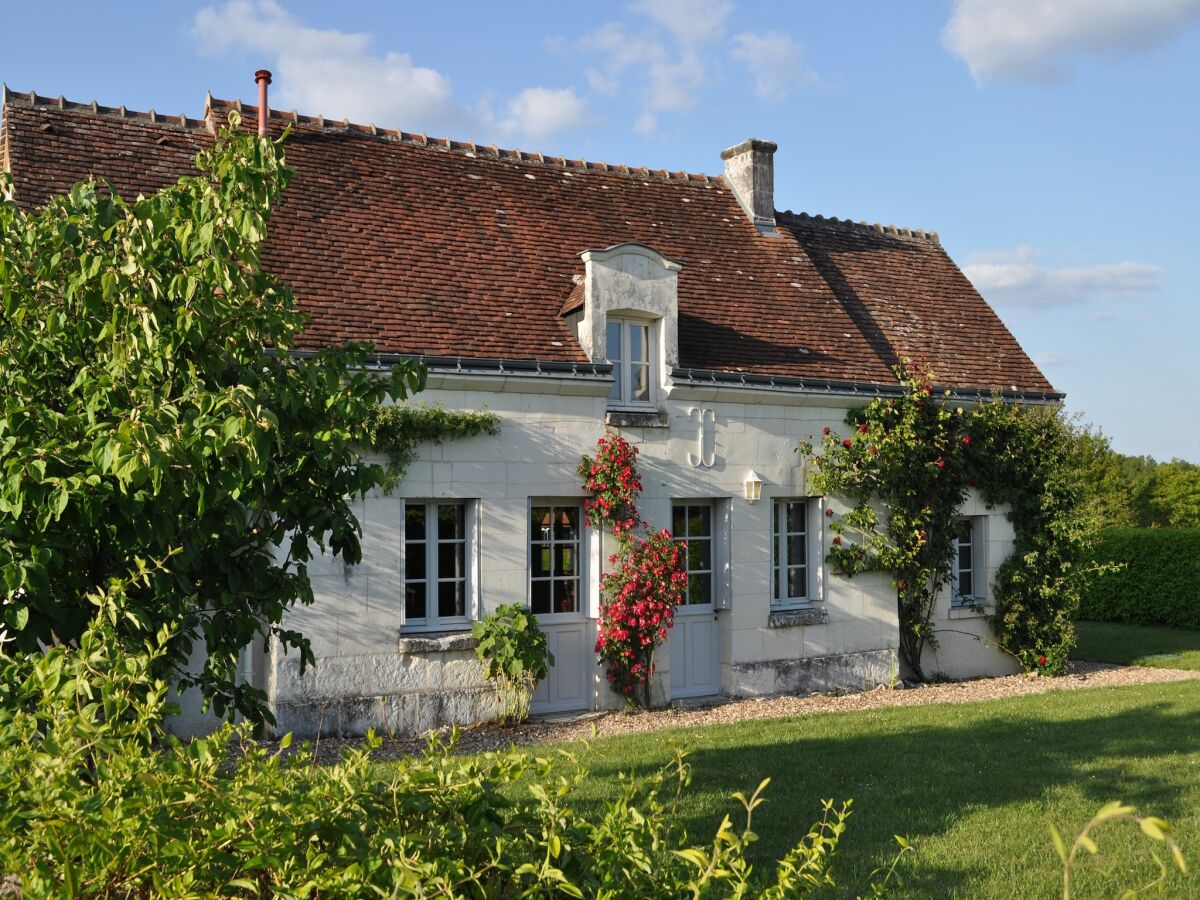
<point>974,786</point>
<point>1139,645</point>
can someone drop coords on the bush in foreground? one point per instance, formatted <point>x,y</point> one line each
<point>94,808</point>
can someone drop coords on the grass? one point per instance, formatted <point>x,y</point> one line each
<point>1138,645</point>
<point>974,785</point>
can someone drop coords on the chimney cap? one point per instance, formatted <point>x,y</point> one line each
<point>262,75</point>
<point>749,145</point>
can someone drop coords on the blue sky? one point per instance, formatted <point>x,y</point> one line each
<point>1055,150</point>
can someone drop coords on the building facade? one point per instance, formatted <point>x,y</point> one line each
<point>570,299</point>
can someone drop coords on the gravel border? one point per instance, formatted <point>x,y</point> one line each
<point>489,736</point>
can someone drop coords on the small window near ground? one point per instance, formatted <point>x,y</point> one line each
<point>789,556</point>
<point>436,553</point>
<point>554,566</point>
<point>693,523</point>
<point>970,571</point>
<point>630,349</point>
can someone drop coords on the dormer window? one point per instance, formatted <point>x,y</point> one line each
<point>630,348</point>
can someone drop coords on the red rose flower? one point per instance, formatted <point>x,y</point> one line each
<point>825,431</point>
<point>836,540</point>
<point>966,439</point>
<point>941,464</point>
<point>903,585</point>
<point>847,443</point>
<point>829,512</point>
<point>863,428</point>
<point>1042,660</point>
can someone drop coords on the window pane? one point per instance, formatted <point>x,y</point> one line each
<point>797,582</point>
<point>679,516</point>
<point>699,521</point>
<point>414,561</point>
<point>795,549</point>
<point>539,523</point>
<point>566,522</point>
<point>450,520</point>
<point>964,556</point>
<point>450,560</point>
<point>539,597</point>
<point>414,601</point>
<point>966,584</point>
<point>639,343</point>
<point>564,596</point>
<point>414,522</point>
<point>613,342</point>
<point>699,554</point>
<point>564,560</point>
<point>539,560</point>
<point>795,513</point>
<point>640,376</point>
<point>451,599</point>
<point>964,530</point>
<point>699,589</point>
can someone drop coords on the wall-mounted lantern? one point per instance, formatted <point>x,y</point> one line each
<point>754,485</point>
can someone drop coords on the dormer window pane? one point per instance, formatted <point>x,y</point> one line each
<point>613,340</point>
<point>630,351</point>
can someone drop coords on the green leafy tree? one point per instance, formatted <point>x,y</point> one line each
<point>150,413</point>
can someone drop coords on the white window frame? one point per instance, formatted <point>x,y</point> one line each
<point>623,367</point>
<point>978,566</point>
<point>582,549</point>
<point>812,542</point>
<point>431,621</point>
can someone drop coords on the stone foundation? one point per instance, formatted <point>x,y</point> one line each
<point>430,682</point>
<point>839,672</point>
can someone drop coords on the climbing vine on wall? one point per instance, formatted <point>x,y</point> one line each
<point>914,458</point>
<point>397,431</point>
<point>649,575</point>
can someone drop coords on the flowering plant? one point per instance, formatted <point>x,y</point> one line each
<point>611,478</point>
<point>640,595</point>
<point>649,575</point>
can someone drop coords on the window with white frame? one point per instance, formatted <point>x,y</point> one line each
<point>970,569</point>
<point>554,562</point>
<point>693,523</point>
<point>630,348</point>
<point>792,581</point>
<point>437,550</point>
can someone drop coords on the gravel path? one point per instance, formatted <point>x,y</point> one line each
<point>494,737</point>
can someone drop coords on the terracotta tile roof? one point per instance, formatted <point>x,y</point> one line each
<point>444,248</point>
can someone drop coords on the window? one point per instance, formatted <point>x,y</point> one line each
<point>435,565</point>
<point>554,559</point>
<point>693,522</point>
<point>630,350</point>
<point>789,553</point>
<point>970,573</point>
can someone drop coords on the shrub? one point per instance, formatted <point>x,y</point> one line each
<point>515,656</point>
<point>93,807</point>
<point>1151,577</point>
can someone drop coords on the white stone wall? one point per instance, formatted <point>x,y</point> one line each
<point>966,646</point>
<point>545,428</point>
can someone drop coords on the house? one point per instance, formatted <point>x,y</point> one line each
<point>684,311</point>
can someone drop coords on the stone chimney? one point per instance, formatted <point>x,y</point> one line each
<point>750,174</point>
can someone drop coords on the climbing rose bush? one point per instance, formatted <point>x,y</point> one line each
<point>611,478</point>
<point>649,575</point>
<point>640,595</point>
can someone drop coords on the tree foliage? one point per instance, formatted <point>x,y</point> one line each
<point>914,459</point>
<point>150,413</point>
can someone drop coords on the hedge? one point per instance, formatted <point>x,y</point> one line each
<point>1158,583</point>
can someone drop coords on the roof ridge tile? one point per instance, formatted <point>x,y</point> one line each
<point>916,234</point>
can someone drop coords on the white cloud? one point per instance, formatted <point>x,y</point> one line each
<point>1035,40</point>
<point>1017,278</point>
<point>538,112</point>
<point>775,61</point>
<point>666,60</point>
<point>334,73</point>
<point>691,22</point>
<point>1051,359</point>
